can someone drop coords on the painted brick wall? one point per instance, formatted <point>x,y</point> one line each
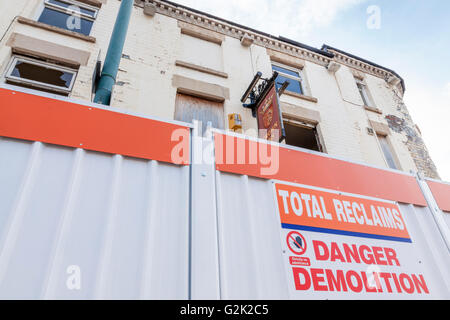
<point>144,83</point>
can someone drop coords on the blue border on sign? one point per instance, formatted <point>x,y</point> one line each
<point>344,233</point>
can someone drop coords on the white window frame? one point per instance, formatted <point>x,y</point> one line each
<point>390,149</point>
<point>38,84</point>
<point>364,93</point>
<point>311,126</point>
<point>48,4</point>
<point>300,78</point>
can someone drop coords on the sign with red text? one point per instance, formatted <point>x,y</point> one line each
<point>268,115</point>
<point>340,245</point>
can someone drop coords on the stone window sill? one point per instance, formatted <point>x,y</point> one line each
<point>373,109</point>
<point>301,96</point>
<point>200,68</point>
<point>48,27</point>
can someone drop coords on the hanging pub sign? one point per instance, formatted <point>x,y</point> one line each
<point>268,114</point>
<point>265,107</point>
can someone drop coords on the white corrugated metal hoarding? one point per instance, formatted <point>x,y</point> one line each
<point>113,218</point>
<point>91,214</point>
<point>81,224</point>
<point>255,260</point>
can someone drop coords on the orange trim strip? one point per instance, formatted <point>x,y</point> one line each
<point>441,193</point>
<point>315,170</point>
<point>36,118</point>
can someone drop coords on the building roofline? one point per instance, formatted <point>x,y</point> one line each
<point>279,38</point>
<point>323,51</point>
<point>326,47</point>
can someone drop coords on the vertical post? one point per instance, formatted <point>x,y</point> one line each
<point>114,54</point>
<point>204,251</point>
<point>434,208</point>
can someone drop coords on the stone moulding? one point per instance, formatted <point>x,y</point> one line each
<point>262,40</point>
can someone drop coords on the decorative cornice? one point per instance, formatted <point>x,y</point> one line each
<point>235,31</point>
<point>368,69</point>
<point>360,66</point>
<point>263,40</point>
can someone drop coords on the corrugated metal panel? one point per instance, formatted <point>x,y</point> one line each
<point>251,259</point>
<point>135,229</point>
<point>122,221</point>
<point>447,218</point>
<point>251,264</point>
<point>429,244</point>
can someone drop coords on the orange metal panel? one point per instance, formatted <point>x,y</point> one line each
<point>320,209</point>
<point>314,170</point>
<point>31,117</point>
<point>441,193</point>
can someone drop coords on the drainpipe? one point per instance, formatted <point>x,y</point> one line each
<point>112,60</point>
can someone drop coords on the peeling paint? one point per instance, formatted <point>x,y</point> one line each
<point>415,144</point>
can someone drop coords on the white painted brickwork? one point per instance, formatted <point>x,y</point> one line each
<point>144,81</point>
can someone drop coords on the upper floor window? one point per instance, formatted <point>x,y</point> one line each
<point>362,88</point>
<point>302,134</point>
<point>387,151</point>
<point>292,75</point>
<point>211,58</point>
<point>68,14</point>
<point>40,75</point>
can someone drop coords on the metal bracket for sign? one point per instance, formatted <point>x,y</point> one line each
<point>255,92</point>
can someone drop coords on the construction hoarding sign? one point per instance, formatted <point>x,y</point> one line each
<point>342,245</point>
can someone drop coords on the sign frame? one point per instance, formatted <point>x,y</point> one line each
<point>271,85</point>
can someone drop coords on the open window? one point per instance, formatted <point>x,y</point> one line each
<point>302,134</point>
<point>40,75</point>
<point>69,14</point>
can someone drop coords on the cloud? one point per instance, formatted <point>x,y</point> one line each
<point>430,109</point>
<point>290,18</point>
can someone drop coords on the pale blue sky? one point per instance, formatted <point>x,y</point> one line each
<point>413,39</point>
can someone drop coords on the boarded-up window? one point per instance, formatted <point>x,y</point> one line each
<point>188,108</point>
<point>201,52</point>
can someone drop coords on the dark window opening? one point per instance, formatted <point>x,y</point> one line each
<point>40,75</point>
<point>302,136</point>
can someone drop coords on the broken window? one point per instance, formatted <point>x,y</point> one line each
<point>302,134</point>
<point>69,15</point>
<point>31,73</point>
